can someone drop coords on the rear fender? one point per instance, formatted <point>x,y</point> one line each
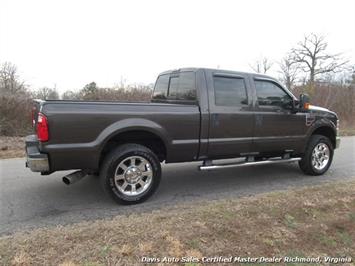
<point>133,124</point>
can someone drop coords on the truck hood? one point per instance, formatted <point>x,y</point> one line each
<point>321,110</point>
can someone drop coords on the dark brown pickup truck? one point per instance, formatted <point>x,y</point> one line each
<point>195,115</point>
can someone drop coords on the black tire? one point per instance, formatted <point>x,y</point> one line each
<point>306,163</point>
<point>115,158</point>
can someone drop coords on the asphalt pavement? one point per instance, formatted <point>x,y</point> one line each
<point>29,200</point>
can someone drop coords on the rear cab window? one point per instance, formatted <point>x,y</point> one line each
<point>176,88</point>
<point>161,87</point>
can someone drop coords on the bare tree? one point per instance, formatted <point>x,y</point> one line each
<point>9,80</point>
<point>352,80</point>
<point>46,94</point>
<point>289,71</point>
<point>313,59</point>
<point>262,65</point>
<point>70,95</point>
<point>15,102</point>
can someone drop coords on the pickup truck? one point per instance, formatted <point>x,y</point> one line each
<point>195,114</point>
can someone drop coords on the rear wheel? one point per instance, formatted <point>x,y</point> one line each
<point>318,156</point>
<point>130,174</point>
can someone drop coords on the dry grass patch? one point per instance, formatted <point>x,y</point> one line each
<point>12,147</point>
<point>350,131</point>
<point>315,221</point>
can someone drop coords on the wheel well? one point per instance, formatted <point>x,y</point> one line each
<point>145,138</point>
<point>327,132</point>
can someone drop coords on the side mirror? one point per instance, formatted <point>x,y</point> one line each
<point>289,105</point>
<point>304,102</point>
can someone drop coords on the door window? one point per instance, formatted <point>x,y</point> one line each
<point>229,91</point>
<point>270,94</point>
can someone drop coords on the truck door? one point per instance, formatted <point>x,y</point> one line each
<point>231,114</point>
<point>277,127</point>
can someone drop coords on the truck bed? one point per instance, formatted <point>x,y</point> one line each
<point>80,129</point>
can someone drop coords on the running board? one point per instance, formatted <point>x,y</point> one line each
<point>270,161</point>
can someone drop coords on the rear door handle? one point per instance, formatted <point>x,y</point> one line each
<point>215,120</point>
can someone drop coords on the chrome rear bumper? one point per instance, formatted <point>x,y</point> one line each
<point>35,160</point>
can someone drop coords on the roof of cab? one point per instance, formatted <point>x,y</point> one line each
<point>194,69</point>
<point>227,72</point>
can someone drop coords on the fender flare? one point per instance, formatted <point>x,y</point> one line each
<point>132,124</point>
<point>323,122</point>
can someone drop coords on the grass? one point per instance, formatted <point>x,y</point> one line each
<point>314,221</point>
<point>347,131</point>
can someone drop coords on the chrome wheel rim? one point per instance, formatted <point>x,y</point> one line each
<point>320,156</point>
<point>133,176</point>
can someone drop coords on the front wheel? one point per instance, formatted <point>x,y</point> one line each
<point>130,174</point>
<point>318,156</point>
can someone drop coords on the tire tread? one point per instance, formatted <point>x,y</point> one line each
<point>305,164</point>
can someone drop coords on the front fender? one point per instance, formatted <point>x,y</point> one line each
<point>317,124</point>
<point>323,122</point>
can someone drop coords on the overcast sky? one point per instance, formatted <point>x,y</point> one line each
<point>71,43</point>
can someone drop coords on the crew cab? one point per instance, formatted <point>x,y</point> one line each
<point>195,114</point>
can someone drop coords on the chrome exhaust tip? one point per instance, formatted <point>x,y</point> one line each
<point>74,177</point>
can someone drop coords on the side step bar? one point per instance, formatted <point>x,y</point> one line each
<point>246,163</point>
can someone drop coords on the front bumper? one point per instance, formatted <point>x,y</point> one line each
<point>337,142</point>
<point>36,161</point>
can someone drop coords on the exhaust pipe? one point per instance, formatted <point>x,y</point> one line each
<point>74,177</point>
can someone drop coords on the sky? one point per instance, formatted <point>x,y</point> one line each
<point>67,44</point>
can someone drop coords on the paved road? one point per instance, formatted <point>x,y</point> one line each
<point>29,200</point>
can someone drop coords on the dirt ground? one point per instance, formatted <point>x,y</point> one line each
<point>12,147</point>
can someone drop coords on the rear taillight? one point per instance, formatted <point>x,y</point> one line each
<point>42,127</point>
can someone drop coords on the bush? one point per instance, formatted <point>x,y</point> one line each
<point>15,103</point>
<point>336,97</point>
<point>16,100</point>
<point>124,93</point>
<point>15,113</point>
